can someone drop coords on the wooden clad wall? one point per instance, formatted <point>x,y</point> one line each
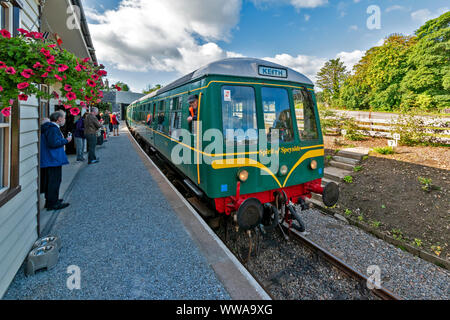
<point>18,217</point>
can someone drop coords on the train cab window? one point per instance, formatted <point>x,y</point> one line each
<point>277,113</point>
<point>306,117</point>
<point>239,112</point>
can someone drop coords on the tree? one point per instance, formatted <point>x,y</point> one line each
<point>426,85</point>
<point>150,89</point>
<point>119,84</point>
<point>330,79</point>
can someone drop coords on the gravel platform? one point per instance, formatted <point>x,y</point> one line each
<point>125,238</point>
<point>405,275</point>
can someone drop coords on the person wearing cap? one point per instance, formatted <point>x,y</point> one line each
<point>193,105</point>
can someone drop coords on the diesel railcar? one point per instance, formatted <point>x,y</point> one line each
<point>256,147</point>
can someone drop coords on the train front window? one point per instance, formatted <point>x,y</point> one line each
<point>306,117</point>
<point>277,113</point>
<point>239,115</point>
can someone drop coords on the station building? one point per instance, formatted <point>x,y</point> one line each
<point>20,199</point>
<point>120,100</point>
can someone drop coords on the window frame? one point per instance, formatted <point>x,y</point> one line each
<point>13,187</point>
<point>316,117</point>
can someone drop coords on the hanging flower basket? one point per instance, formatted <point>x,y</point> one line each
<point>28,61</point>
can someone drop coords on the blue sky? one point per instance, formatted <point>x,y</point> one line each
<point>145,42</point>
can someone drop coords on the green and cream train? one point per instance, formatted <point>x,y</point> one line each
<point>257,143</point>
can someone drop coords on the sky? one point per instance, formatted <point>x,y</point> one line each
<point>149,42</point>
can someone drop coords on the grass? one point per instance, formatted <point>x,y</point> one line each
<point>375,223</point>
<point>397,234</point>
<point>348,212</point>
<point>348,179</point>
<point>357,168</point>
<point>384,150</point>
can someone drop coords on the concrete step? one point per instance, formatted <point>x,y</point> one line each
<point>335,174</point>
<point>346,160</point>
<point>341,165</point>
<point>354,153</point>
<point>325,181</point>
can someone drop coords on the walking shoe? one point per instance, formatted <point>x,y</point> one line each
<point>59,201</point>
<point>93,161</point>
<point>59,206</point>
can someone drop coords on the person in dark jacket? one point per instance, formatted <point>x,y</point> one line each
<point>53,157</point>
<point>79,138</point>
<point>91,126</point>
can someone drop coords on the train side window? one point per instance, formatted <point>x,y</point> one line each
<point>175,118</point>
<point>277,113</point>
<point>161,115</point>
<point>239,112</point>
<point>306,117</point>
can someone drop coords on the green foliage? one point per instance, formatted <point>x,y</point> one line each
<point>384,150</point>
<point>357,168</point>
<point>426,184</point>
<point>329,158</point>
<point>407,72</point>
<point>348,179</point>
<point>411,128</point>
<point>123,86</point>
<point>361,218</point>
<point>418,242</point>
<point>352,129</point>
<point>397,234</point>
<point>150,89</point>
<point>365,158</point>
<point>330,79</point>
<point>375,223</point>
<point>348,212</point>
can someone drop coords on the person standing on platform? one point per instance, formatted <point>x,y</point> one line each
<point>106,123</point>
<point>53,157</point>
<point>80,138</point>
<point>115,124</point>
<point>91,126</point>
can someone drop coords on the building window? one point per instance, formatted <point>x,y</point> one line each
<point>5,16</point>
<point>9,155</point>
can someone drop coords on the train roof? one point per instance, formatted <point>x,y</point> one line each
<point>238,67</point>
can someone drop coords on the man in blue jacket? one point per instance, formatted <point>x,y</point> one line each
<point>53,157</point>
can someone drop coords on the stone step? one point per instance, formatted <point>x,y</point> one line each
<point>354,153</point>
<point>346,160</point>
<point>341,165</point>
<point>335,174</point>
<point>325,181</point>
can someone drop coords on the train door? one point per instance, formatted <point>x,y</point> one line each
<point>308,125</point>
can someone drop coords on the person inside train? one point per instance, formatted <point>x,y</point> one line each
<point>193,107</point>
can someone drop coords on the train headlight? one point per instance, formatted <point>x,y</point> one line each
<point>283,170</point>
<point>242,175</point>
<point>313,164</point>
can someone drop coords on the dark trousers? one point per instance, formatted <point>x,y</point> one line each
<point>91,144</point>
<point>51,182</point>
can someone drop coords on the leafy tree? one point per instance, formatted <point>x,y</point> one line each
<point>330,79</point>
<point>150,89</point>
<point>122,85</point>
<point>426,85</point>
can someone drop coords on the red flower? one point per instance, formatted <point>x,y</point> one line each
<point>27,73</point>
<point>6,111</point>
<point>86,60</point>
<point>102,73</point>
<point>75,111</point>
<point>45,52</point>
<point>71,96</point>
<point>10,70</point>
<point>5,33</point>
<point>67,106</point>
<point>58,77</point>
<point>2,65</point>
<point>100,94</point>
<point>45,75</point>
<point>118,88</point>
<point>51,60</point>
<point>68,87</point>
<point>37,65</point>
<point>99,100</point>
<point>62,67</point>
<point>91,83</point>
<point>78,68</point>
<point>24,32</point>
<point>51,46</point>
<point>65,77</point>
<point>94,77</point>
<point>37,35</point>
<point>55,95</point>
<point>87,98</point>
<point>23,85</point>
<point>49,69</point>
<point>83,104</point>
<point>23,97</point>
<point>1,88</point>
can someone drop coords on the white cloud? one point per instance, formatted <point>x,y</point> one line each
<point>395,8</point>
<point>298,4</point>
<point>353,28</point>
<point>163,35</point>
<point>424,15</point>
<point>350,58</point>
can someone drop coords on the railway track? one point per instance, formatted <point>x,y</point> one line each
<point>297,269</point>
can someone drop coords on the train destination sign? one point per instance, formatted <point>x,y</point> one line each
<point>272,72</point>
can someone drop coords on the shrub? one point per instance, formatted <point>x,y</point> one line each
<point>384,150</point>
<point>348,179</point>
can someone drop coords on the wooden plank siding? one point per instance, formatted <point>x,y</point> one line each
<point>18,217</point>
